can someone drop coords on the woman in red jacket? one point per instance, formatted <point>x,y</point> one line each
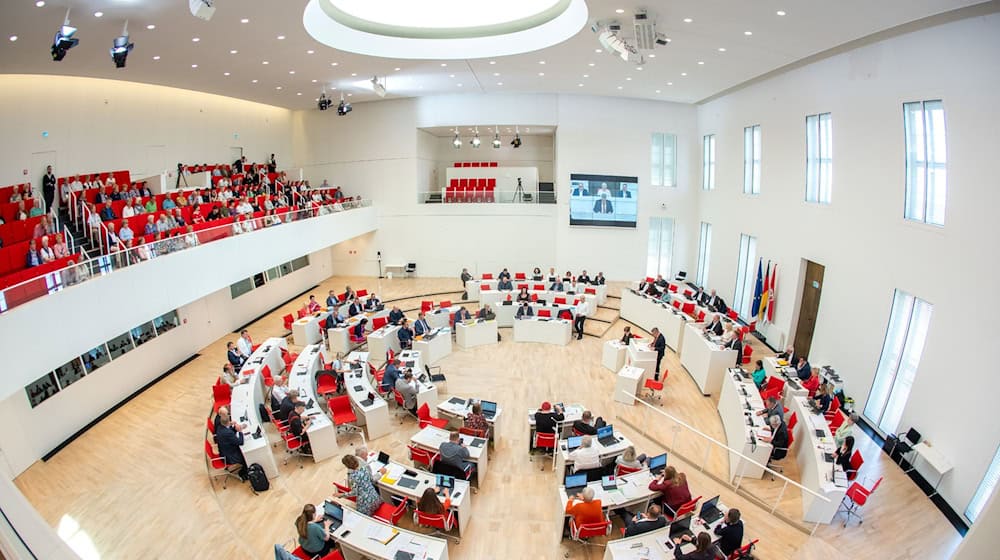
<point>673,486</point>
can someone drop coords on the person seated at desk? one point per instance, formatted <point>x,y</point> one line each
<point>505,284</point>
<point>229,376</point>
<point>557,286</point>
<point>407,388</point>
<point>524,311</point>
<point>348,293</point>
<point>772,408</point>
<point>395,316</point>
<point>486,313</point>
<point>703,548</point>
<point>358,331</point>
<point>778,438</point>
<point>674,488</point>
<point>504,275</point>
<point>314,532</point>
<point>730,532</point>
<point>842,456</point>
<point>547,418</point>
<point>221,417</point>
<point>461,315</point>
<point>587,425</point>
<point>373,303</point>
<point>583,278</point>
<point>334,319</point>
<point>313,306</point>
<point>846,429</point>
<point>287,405</point>
<point>229,438</point>
<point>355,308</point>
<point>629,459</point>
<point>598,280</point>
<point>235,356</point>
<point>536,275</point>
<point>245,343</point>
<point>660,281</point>
<point>714,326</point>
<point>759,374</point>
<point>299,426</point>
<point>716,303</point>
<point>552,274</point>
<point>390,377</point>
<point>802,368</point>
<point>278,392</point>
<point>811,383</point>
<point>362,487</point>
<point>644,522</point>
<point>475,420</point>
<point>453,452</point>
<point>586,456</point>
<point>735,344</point>
<point>421,326</point>
<point>568,277</point>
<point>331,299</point>
<point>651,289</point>
<point>788,355</point>
<point>523,296</point>
<point>584,509</point>
<point>430,504</point>
<point>824,397</point>
<point>405,335</point>
<point>627,335</point>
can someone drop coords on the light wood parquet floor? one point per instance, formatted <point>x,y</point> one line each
<point>135,485</point>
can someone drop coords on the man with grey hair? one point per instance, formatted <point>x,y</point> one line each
<point>778,438</point>
<point>586,456</point>
<point>584,508</point>
<point>407,388</point>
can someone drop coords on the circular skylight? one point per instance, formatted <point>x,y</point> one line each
<point>444,29</point>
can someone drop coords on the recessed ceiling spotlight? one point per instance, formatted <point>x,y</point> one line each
<point>459,85</point>
<point>225,73</point>
<point>586,75</point>
<point>701,62</point>
<point>265,62</point>
<point>157,57</point>
<point>620,87</point>
<point>253,81</point>
<point>310,51</point>
<point>748,33</point>
<point>13,37</point>
<point>194,66</point>
<point>541,62</point>
<point>397,69</point>
<point>151,27</point>
<point>281,37</point>
<point>314,81</point>
<point>652,55</point>
<point>350,95</point>
<point>598,51</point>
<point>277,87</point>
<point>299,93</point>
<point>628,79</point>
<point>244,20</point>
<point>444,64</point>
<point>234,51</point>
<point>591,64</point>
<point>639,68</point>
<point>780,12</point>
<point>496,73</point>
<point>40,4</point>
<point>493,62</point>
<point>98,14</point>
<point>684,73</point>
<point>657,91</point>
<point>541,73</point>
<point>619,11</point>
<point>353,74</point>
<point>688,20</point>
<point>334,63</point>
<point>291,71</point>
<point>579,85</point>
<point>722,49</point>
<point>195,39</point>
<point>499,83</point>
<point>670,83</point>
<point>451,75</point>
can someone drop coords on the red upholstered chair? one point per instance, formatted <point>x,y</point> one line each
<point>688,293</point>
<point>211,426</point>
<point>493,164</point>
<point>836,421</point>
<point>559,300</point>
<point>543,442</point>
<point>743,551</point>
<point>466,164</point>
<point>681,511</point>
<point>590,291</point>
<point>832,411</point>
<point>445,303</point>
<point>747,353</point>
<point>522,286</point>
<point>487,276</point>
<point>293,446</point>
<point>520,276</point>
<point>544,313</point>
<point>361,293</point>
<point>732,314</point>
<point>378,323</point>
<point>701,316</point>
<point>422,458</point>
<point>621,470</point>
<point>793,420</point>
<point>457,164</point>
<point>391,514</point>
<point>302,312</point>
<point>855,498</point>
<point>688,308</point>
<point>768,393</point>
<point>534,297</point>
<point>475,164</point>
<point>217,464</point>
<point>441,521</point>
<point>345,489</point>
<point>539,287</point>
<point>222,394</point>
<point>302,554</point>
<point>342,414</point>
<point>453,183</point>
<point>676,303</point>
<point>650,279</point>
<point>588,530</point>
<point>425,418</point>
<point>473,432</point>
<point>326,384</point>
<point>426,306</point>
<point>565,314</point>
<point>856,461</point>
<point>672,288</point>
<point>288,319</point>
<point>653,387</point>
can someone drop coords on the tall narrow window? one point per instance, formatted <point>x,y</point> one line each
<point>751,159</point>
<point>819,158</point>
<point>985,489</point>
<point>704,253</point>
<point>909,321</point>
<point>661,246</point>
<point>664,160</point>
<point>926,161</point>
<point>708,162</point>
<point>745,279</point>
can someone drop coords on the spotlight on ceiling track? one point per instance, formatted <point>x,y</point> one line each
<point>324,102</point>
<point>496,138</point>
<point>344,107</point>
<point>121,47</point>
<point>202,9</point>
<point>475,139</point>
<point>516,142</point>
<point>377,87</point>
<point>457,142</point>
<point>64,39</point>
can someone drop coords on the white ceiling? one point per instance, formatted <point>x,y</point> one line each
<point>809,27</point>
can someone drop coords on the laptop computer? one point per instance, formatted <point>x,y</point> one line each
<point>606,435</point>
<point>489,409</point>
<point>573,442</point>
<point>457,401</point>
<point>609,482</point>
<point>334,513</point>
<point>368,401</point>
<point>658,463</point>
<point>381,461</point>
<point>575,483</point>
<point>710,512</point>
<point>681,527</point>
<point>444,481</point>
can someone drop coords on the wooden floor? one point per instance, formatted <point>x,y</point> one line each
<point>135,485</point>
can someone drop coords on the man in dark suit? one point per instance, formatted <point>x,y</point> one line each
<point>730,532</point>
<point>235,356</point>
<point>48,188</point>
<point>405,335</point>
<point>586,425</point>
<point>623,192</point>
<point>556,286</point>
<point>803,370</point>
<point>715,325</point>
<point>603,205</point>
<point>583,278</point>
<point>524,311</point>
<point>421,326</point>
<point>660,345</point>
<point>486,313</point>
<point>229,437</point>
<point>396,315</point>
<point>778,439</point>
<point>503,275</point>
<point>650,520</point>
<point>287,405</point>
<point>461,315</point>
<point>465,277</point>
<point>355,308</point>
<point>331,300</point>
<point>505,284</point>
<point>580,189</point>
<point>736,344</point>
<point>716,303</point>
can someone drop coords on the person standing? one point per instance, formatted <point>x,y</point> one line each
<point>582,311</point>
<point>48,188</point>
<point>660,345</point>
<point>465,277</point>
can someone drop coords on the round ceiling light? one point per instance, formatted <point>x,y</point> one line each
<point>446,29</point>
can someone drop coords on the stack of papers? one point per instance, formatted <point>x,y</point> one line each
<point>381,533</point>
<point>393,473</point>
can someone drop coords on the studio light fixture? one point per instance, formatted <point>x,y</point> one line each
<point>64,39</point>
<point>475,139</point>
<point>516,142</point>
<point>496,138</point>
<point>324,102</point>
<point>344,107</point>
<point>120,48</point>
<point>457,142</point>
<point>202,9</point>
<point>378,87</point>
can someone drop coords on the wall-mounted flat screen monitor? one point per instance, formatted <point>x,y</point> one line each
<point>603,200</point>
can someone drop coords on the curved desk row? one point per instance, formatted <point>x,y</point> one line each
<point>302,377</point>
<point>739,403</point>
<point>544,330</point>
<point>368,405</point>
<point>246,399</point>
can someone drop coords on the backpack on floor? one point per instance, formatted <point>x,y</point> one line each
<point>262,410</point>
<point>258,480</point>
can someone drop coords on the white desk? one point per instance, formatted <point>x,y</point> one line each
<point>571,413</point>
<point>322,432</point>
<point>814,472</point>
<point>706,361</point>
<point>389,485</point>
<point>630,380</point>
<point>375,416</point>
<point>607,452</point>
<point>632,492</point>
<point>267,354</point>
<point>433,346</point>
<point>339,338</point>
<point>548,331</point>
<point>613,355</point>
<point>640,354</point>
<point>739,401</point>
<point>306,331</point>
<point>476,334</point>
<point>383,340</point>
<point>647,313</point>
<point>457,408</point>
<point>934,459</point>
<point>357,545</point>
<point>412,359</point>
<point>245,404</point>
<point>431,438</point>
<point>440,318</point>
<point>656,545</point>
<point>506,313</point>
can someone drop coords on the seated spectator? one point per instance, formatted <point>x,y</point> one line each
<point>244,207</point>
<point>42,227</point>
<point>163,224</point>
<point>137,206</point>
<point>214,214</point>
<point>150,225</point>
<point>586,456</point>
<point>22,214</point>
<point>168,203</point>
<point>59,247</point>
<point>151,205</point>
<point>125,233</point>
<point>16,195</point>
<point>144,190</point>
<point>649,520</point>
<point>127,212</point>
<point>181,200</point>
<point>190,238</point>
<point>33,257</point>
<point>99,196</point>
<point>196,217</point>
<point>46,252</point>
<point>94,220</point>
<point>178,218</point>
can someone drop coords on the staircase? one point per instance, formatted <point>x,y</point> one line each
<point>81,242</point>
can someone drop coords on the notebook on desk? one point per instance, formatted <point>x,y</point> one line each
<point>457,401</point>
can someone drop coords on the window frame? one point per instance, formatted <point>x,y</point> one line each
<point>745,277</point>
<point>660,164</point>
<point>708,162</point>
<point>920,204</point>
<point>704,253</point>
<point>751,159</point>
<point>656,237</point>
<point>819,158</point>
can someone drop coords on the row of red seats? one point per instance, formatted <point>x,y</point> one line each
<point>13,258</point>
<point>121,177</point>
<point>8,210</point>
<point>28,274</point>
<point>215,179</point>
<point>17,231</point>
<point>138,223</point>
<point>470,194</point>
<point>473,183</point>
<point>476,164</point>
<point>8,191</point>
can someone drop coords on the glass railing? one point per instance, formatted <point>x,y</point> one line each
<point>121,254</point>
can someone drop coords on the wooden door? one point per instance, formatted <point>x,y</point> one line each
<point>812,288</point>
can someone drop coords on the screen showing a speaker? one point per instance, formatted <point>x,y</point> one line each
<point>603,200</point>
